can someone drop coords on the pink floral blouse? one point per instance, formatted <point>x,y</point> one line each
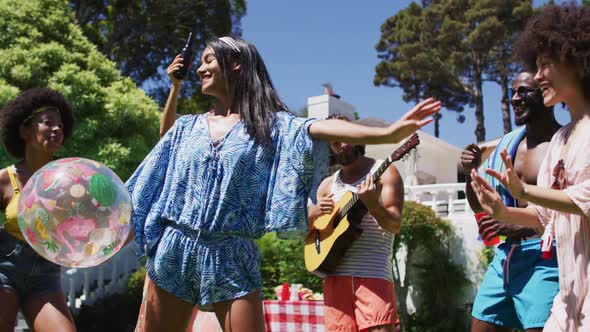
<point>571,307</point>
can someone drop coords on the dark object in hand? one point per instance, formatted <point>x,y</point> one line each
<point>187,59</point>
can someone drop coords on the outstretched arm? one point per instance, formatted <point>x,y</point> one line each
<point>334,130</point>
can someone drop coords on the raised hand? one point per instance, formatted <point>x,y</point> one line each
<point>471,157</point>
<point>489,199</point>
<point>334,130</point>
<point>509,179</point>
<point>415,119</point>
<point>174,66</point>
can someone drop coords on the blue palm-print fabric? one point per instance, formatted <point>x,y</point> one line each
<point>234,186</point>
<point>207,270</point>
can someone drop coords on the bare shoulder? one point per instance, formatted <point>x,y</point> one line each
<point>542,148</point>
<point>325,187</point>
<point>4,178</point>
<point>5,184</point>
<point>391,176</point>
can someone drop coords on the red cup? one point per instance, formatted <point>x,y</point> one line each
<point>546,254</point>
<point>493,241</point>
<point>285,294</point>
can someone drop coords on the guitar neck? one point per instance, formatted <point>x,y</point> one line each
<point>397,155</point>
<point>375,175</point>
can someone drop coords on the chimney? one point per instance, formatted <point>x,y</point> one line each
<point>329,103</point>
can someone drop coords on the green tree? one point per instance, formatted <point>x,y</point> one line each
<point>303,112</point>
<point>117,124</point>
<point>144,36</point>
<point>448,48</point>
<point>504,20</point>
<point>406,63</point>
<point>434,282</point>
<point>283,261</point>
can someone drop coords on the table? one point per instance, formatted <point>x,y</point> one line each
<point>301,316</point>
<point>279,316</point>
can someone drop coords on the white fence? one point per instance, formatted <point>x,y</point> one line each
<point>442,197</point>
<point>87,285</point>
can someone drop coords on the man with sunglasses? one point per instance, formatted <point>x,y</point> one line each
<point>519,285</point>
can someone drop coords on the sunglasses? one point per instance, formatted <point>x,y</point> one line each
<point>523,91</point>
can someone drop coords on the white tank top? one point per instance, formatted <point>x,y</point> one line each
<point>370,255</point>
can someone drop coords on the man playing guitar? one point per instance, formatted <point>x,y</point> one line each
<point>359,294</point>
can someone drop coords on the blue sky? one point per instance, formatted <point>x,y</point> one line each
<point>306,43</point>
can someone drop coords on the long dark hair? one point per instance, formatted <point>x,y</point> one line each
<point>253,94</point>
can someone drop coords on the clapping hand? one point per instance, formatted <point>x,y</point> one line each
<point>488,197</point>
<point>509,179</point>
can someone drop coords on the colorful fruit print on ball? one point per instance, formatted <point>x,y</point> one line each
<point>75,212</point>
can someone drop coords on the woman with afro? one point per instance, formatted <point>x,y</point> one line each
<point>34,127</point>
<point>557,43</point>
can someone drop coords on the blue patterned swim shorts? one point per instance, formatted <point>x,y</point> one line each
<point>203,268</point>
<point>519,287</point>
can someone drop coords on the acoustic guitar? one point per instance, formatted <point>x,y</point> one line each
<point>332,234</point>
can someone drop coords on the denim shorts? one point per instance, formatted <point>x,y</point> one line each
<point>23,271</point>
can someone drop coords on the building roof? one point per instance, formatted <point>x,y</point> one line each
<point>424,136</point>
<point>373,122</point>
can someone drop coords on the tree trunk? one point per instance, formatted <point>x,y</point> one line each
<point>505,104</point>
<point>437,117</point>
<point>480,131</point>
<point>401,295</point>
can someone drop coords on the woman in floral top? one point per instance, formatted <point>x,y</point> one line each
<point>557,42</point>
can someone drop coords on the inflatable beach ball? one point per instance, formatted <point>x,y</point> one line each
<point>75,212</point>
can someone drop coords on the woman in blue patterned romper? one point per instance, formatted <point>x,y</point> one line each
<point>217,181</point>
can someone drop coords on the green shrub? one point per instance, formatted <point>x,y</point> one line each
<point>135,284</point>
<point>434,282</point>
<point>485,257</point>
<point>117,123</point>
<point>283,261</point>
